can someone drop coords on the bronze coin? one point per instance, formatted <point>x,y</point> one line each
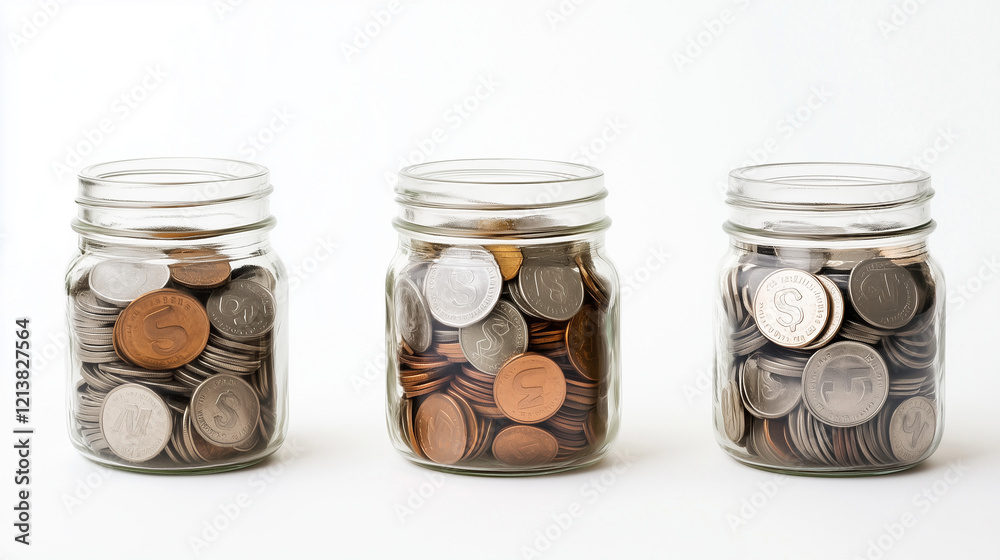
<point>193,270</point>
<point>585,343</point>
<point>529,388</point>
<point>441,429</point>
<point>525,446</point>
<point>162,329</point>
<point>509,258</point>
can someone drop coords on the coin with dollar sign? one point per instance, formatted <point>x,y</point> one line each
<point>499,337</point>
<point>791,307</point>
<point>463,286</point>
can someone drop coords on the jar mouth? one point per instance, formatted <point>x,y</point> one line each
<point>173,198</point>
<point>500,199</point>
<point>171,181</point>
<point>830,184</point>
<point>499,182</point>
<point>827,200</point>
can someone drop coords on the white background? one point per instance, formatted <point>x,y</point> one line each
<point>875,80</point>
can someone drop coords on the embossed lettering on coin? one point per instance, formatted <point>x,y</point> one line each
<point>242,310</point>
<point>525,446</point>
<point>225,410</point>
<point>911,429</point>
<point>499,337</point>
<point>441,429</point>
<point>163,329</point>
<point>529,388</point>
<point>552,291</point>
<point>791,307</point>
<point>845,384</point>
<point>462,286</point>
<point>883,293</point>
<point>135,422</point>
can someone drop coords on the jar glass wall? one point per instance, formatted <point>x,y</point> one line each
<point>830,320</point>
<point>177,317</point>
<point>502,318</point>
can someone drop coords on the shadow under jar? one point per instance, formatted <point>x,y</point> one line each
<point>830,320</point>
<point>177,317</point>
<point>502,318</point>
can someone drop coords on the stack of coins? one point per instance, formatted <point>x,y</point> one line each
<point>175,362</point>
<point>503,355</point>
<point>832,359</point>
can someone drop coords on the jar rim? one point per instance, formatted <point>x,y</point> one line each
<point>821,185</point>
<point>498,182</point>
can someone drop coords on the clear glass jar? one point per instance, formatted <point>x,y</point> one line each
<point>502,318</point>
<point>177,317</point>
<point>830,321</point>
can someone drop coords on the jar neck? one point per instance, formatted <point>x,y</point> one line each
<point>166,200</point>
<point>837,204</point>
<point>500,201</point>
<point>232,246</point>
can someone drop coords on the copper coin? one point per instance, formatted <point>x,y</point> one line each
<point>509,258</point>
<point>162,329</point>
<point>585,344</point>
<point>195,270</point>
<point>525,446</point>
<point>529,388</point>
<point>441,429</point>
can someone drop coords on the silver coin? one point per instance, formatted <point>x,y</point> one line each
<point>767,395</point>
<point>837,309</point>
<point>118,282</point>
<point>242,309</point>
<point>499,337</point>
<point>553,291</point>
<point>462,286</point>
<point>884,293</point>
<point>135,422</point>
<point>256,274</point>
<point>225,410</point>
<point>791,307</point>
<point>733,417</point>
<point>845,384</point>
<point>911,429</point>
<point>412,316</point>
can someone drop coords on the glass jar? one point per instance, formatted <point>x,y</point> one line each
<point>177,317</point>
<point>830,321</point>
<point>502,318</point>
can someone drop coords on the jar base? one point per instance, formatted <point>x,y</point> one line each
<point>188,470</point>
<point>824,472</point>
<point>492,471</point>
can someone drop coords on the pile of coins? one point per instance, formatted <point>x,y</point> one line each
<point>503,355</point>
<point>175,362</point>
<point>831,360</point>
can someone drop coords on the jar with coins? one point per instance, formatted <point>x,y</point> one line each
<point>502,318</point>
<point>177,317</point>
<point>830,320</point>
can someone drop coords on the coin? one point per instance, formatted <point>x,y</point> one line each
<point>733,417</point>
<point>837,310</point>
<point>586,348</point>
<point>529,388</point>
<point>412,317</point>
<point>767,395</point>
<point>500,336</point>
<point>196,269</point>
<point>441,429</point>
<point>845,384</point>
<point>135,423</point>
<point>225,410</point>
<point>883,293</point>
<point>524,446</point>
<point>552,291</point>
<point>118,282</point>
<point>162,329</point>
<point>911,429</point>
<point>509,258</point>
<point>462,286</point>
<point>791,307</point>
<point>241,310</point>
